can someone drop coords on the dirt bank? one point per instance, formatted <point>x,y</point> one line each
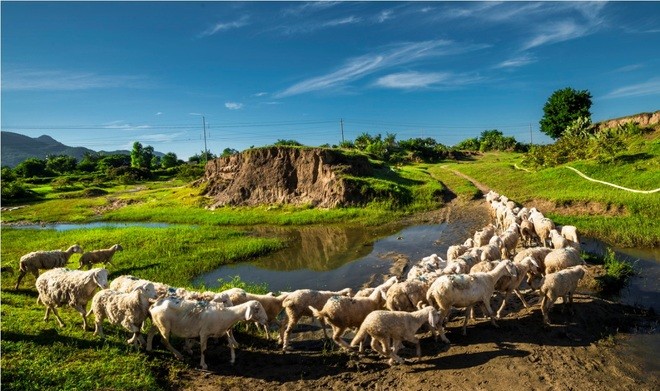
<point>585,351</point>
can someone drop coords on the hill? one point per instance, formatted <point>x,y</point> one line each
<point>17,147</point>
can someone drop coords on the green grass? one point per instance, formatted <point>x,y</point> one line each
<point>617,272</point>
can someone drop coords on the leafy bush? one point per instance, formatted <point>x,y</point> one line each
<point>190,172</point>
<point>617,274</point>
<point>15,191</point>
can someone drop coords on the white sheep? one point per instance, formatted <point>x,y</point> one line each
<point>99,256</point>
<point>457,250</point>
<point>395,326</point>
<point>126,309</point>
<point>466,290</point>
<point>558,241</point>
<point>482,237</point>
<point>490,252</point>
<point>509,239</point>
<point>272,304</point>
<point>192,319</point>
<point>508,284</point>
<point>348,312</point>
<point>406,295</point>
<point>492,196</point>
<point>36,260</point>
<point>427,265</point>
<point>127,283</point>
<point>62,286</point>
<point>296,305</point>
<point>570,233</point>
<point>464,263</point>
<point>365,292</point>
<point>527,232</point>
<point>560,284</point>
<point>542,227</point>
<point>561,259</point>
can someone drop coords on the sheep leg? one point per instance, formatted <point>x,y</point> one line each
<point>501,309</point>
<point>337,333</point>
<point>293,320</point>
<point>168,345</point>
<point>486,304</point>
<point>21,274</point>
<point>83,313</point>
<point>57,316</point>
<point>150,337</point>
<point>468,311</point>
<point>378,347</point>
<point>202,348</point>
<point>98,325</point>
<point>521,297</point>
<point>545,307</point>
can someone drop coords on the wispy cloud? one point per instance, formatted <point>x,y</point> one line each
<point>224,26</point>
<point>417,80</point>
<point>628,68</point>
<point>260,94</point>
<point>234,105</point>
<point>47,80</point>
<point>650,87</point>
<point>556,32</point>
<point>122,125</point>
<point>342,21</point>
<point>359,67</point>
<point>159,113</point>
<point>516,62</point>
<point>384,16</point>
<point>308,7</point>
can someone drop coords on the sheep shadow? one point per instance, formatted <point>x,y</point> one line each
<point>130,270</point>
<point>47,337</point>
<point>464,360</point>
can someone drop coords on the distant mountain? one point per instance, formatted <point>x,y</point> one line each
<point>15,148</point>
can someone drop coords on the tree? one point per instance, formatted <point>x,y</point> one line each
<point>31,167</point>
<point>61,164</point>
<point>169,160</point>
<point>141,157</point>
<point>562,109</point>
<point>289,143</point>
<point>113,161</point>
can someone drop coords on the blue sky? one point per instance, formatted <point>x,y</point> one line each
<point>103,75</point>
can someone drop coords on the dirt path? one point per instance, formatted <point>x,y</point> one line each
<point>584,351</point>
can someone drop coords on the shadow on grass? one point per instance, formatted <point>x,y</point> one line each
<point>48,336</point>
<point>130,270</point>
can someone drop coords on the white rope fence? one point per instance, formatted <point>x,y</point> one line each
<point>612,184</point>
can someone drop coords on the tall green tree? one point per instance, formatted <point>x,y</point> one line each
<point>141,157</point>
<point>61,164</point>
<point>169,160</point>
<point>562,109</point>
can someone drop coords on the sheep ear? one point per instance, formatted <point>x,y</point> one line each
<point>248,313</point>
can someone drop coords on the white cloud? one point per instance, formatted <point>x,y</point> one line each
<point>234,105</point>
<point>556,32</point>
<point>121,125</point>
<point>159,113</point>
<point>33,80</point>
<point>224,26</point>
<point>358,67</point>
<point>650,87</point>
<point>260,94</point>
<point>384,16</point>
<point>416,80</point>
<point>516,62</point>
<point>342,21</point>
<point>410,80</point>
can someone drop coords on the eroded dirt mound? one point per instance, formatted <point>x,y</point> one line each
<point>285,175</point>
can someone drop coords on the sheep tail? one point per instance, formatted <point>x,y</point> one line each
<point>317,314</point>
<point>359,337</point>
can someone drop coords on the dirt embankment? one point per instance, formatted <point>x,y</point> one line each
<point>285,175</point>
<point>644,120</point>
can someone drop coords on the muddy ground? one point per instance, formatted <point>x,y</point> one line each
<point>582,351</point>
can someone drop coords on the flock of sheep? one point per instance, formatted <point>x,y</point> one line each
<point>390,313</point>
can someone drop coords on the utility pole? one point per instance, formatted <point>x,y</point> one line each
<point>531,141</point>
<point>341,123</point>
<point>206,151</point>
